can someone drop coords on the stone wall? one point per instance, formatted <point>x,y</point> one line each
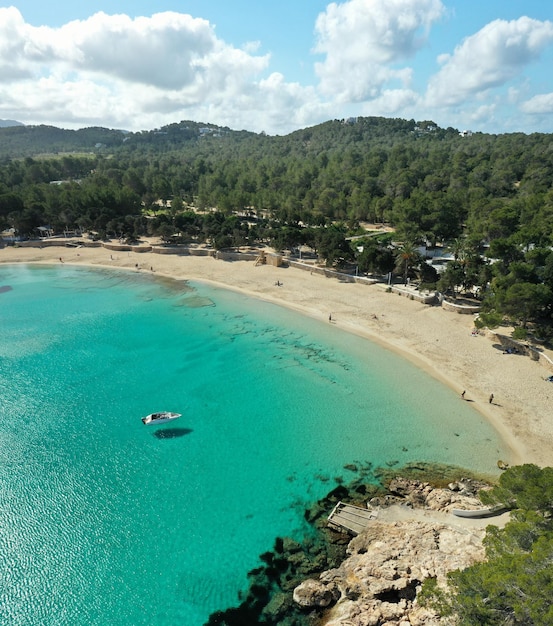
<point>184,251</point>
<point>459,308</point>
<point>273,259</point>
<point>426,297</point>
<point>235,256</point>
<point>324,271</point>
<point>46,243</point>
<point>526,349</point>
<point>123,247</point>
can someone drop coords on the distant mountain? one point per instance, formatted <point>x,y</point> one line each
<point>18,141</point>
<point>7,123</point>
<point>203,138</point>
<point>21,140</point>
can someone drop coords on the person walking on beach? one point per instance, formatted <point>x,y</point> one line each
<point>463,394</point>
<point>491,398</point>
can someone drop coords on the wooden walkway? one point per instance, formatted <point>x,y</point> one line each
<point>350,517</point>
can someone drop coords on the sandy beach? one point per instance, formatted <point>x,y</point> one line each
<point>438,341</point>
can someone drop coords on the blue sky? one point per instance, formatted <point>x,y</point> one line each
<point>276,67</point>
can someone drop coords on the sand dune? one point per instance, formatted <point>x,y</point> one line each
<point>438,341</point>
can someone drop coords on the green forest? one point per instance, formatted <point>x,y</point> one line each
<point>513,585</point>
<point>487,200</point>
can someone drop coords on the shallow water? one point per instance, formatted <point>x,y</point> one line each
<point>106,521</point>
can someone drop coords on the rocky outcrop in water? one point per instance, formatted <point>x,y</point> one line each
<point>417,494</point>
<point>332,579</point>
<point>377,584</point>
<point>386,565</point>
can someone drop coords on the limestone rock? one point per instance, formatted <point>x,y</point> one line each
<point>387,563</point>
<point>461,494</point>
<point>315,594</point>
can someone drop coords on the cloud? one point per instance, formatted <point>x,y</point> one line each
<point>167,50</point>
<point>271,104</point>
<point>110,69</point>
<point>15,46</point>
<point>392,102</point>
<point>493,56</point>
<point>362,40</point>
<point>540,104</point>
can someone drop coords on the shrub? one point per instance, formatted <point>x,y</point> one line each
<point>488,320</point>
<point>520,333</point>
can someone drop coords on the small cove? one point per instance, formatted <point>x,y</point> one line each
<point>108,521</point>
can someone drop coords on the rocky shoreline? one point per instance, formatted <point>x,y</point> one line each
<point>332,579</point>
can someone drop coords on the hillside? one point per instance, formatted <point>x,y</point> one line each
<point>18,141</point>
<point>7,123</point>
<point>28,141</point>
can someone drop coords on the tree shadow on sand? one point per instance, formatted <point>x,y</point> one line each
<point>505,349</point>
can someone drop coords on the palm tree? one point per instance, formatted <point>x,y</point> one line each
<point>468,260</point>
<point>407,257</point>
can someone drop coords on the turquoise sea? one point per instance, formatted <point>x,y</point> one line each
<point>105,521</point>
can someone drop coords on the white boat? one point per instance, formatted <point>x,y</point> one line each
<point>160,418</point>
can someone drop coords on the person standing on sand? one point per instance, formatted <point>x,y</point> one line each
<point>491,398</point>
<point>463,394</point>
